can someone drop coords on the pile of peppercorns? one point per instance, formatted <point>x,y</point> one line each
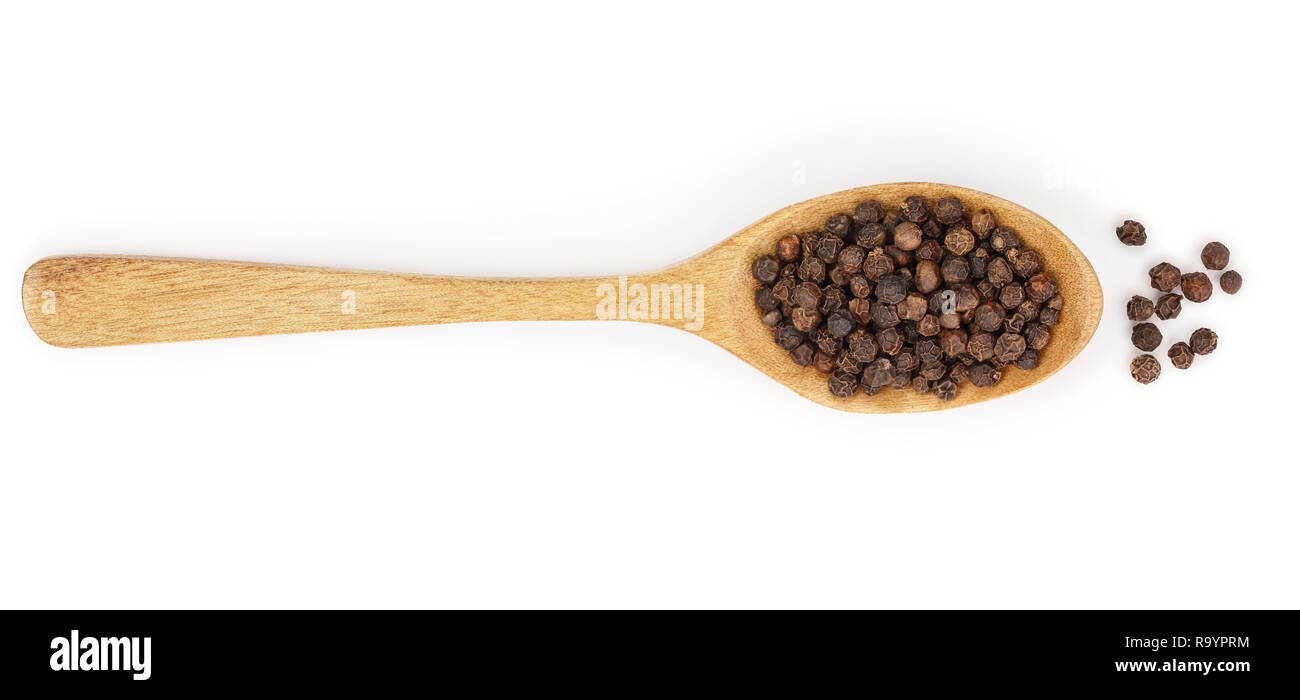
<point>918,297</point>
<point>1165,277</point>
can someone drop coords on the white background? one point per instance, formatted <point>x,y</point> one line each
<point>616,464</point>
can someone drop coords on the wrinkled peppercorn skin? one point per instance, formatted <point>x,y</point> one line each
<point>1145,369</point>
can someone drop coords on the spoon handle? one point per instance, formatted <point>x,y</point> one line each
<point>89,301</point>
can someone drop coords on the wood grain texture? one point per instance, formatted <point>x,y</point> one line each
<point>87,301</point>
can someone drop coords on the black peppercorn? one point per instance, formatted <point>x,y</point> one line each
<point>920,385</point>
<point>860,286</point>
<point>828,249</point>
<point>1003,239</point>
<point>1027,360</point>
<point>1131,233</point>
<point>912,307</point>
<point>861,346</point>
<point>1040,287</point>
<point>787,336</point>
<point>1204,341</point>
<point>839,323</point>
<point>948,210</point>
<point>869,212</point>
<point>877,265</point>
<point>1024,262</point>
<point>1197,287</point>
<point>772,318</point>
<point>807,295</point>
<point>872,235</point>
<point>1139,308</point>
<point>890,341</point>
<point>1169,306</point>
<point>812,270</point>
<point>999,273</point>
<point>804,319</point>
<point>884,315</point>
<point>765,299</point>
<point>1146,336</point>
<point>1012,295</point>
<point>980,346</point>
<point>959,240</point>
<point>990,315</point>
<point>842,384</point>
<point>892,288</point>
<point>839,225</point>
<point>766,269</point>
<point>953,341</point>
<point>1009,347</point>
<point>824,363</point>
<point>928,277</point>
<point>946,390</point>
<point>879,372</point>
<point>1037,335</point>
<point>789,249</point>
<point>914,209</point>
<point>984,375</point>
<point>803,355</point>
<point>954,270</point>
<point>1214,256</point>
<point>1230,282</point>
<point>1181,355</point>
<point>850,259</point>
<point>1145,368</point>
<point>983,222</point>
<point>1165,277</point>
<point>907,236</point>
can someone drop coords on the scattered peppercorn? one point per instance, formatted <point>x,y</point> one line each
<point>1169,306</point>
<point>924,296</point>
<point>1139,308</point>
<point>1230,282</point>
<point>1146,337</point>
<point>1214,256</point>
<point>1197,287</point>
<point>1145,368</point>
<point>1204,341</point>
<point>1131,233</point>
<point>1165,277</point>
<point>1181,355</point>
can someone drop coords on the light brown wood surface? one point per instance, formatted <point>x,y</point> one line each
<point>87,301</point>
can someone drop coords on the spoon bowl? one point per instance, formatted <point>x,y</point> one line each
<point>90,301</point>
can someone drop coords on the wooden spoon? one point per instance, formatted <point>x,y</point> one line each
<point>87,301</point>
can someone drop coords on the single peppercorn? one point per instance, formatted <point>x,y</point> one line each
<point>1037,336</point>
<point>839,323</point>
<point>1027,360</point>
<point>872,235</point>
<point>765,299</point>
<point>959,241</point>
<point>1204,341</point>
<point>1230,282</point>
<point>842,384</point>
<point>1165,277</point>
<point>914,209</point>
<point>839,225</point>
<point>955,270</point>
<point>1024,262</point>
<point>984,375</point>
<point>1197,287</point>
<point>946,390</point>
<point>773,318</point>
<point>877,265</point>
<point>1181,355</point>
<point>824,363</point>
<point>983,222</point>
<point>1003,239</point>
<point>1214,256</point>
<point>907,236</point>
<point>1131,233</point>
<point>766,269</point>
<point>812,270</point>
<point>948,210</point>
<point>1146,337</point>
<point>787,336</point>
<point>803,355</point>
<point>1040,287</point>
<point>869,212</point>
<point>828,249</point>
<point>1012,295</point>
<point>789,248</point>
<point>1009,347</point>
<point>1139,308</point>
<point>1169,306</point>
<point>1145,368</point>
<point>999,273</point>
